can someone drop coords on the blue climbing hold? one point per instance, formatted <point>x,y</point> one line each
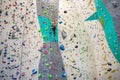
<point>62,47</point>
<point>64,74</point>
<point>34,71</point>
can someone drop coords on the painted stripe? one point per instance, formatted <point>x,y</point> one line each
<point>107,23</point>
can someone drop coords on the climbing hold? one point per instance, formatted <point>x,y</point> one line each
<point>47,65</point>
<point>6,13</point>
<point>62,47</point>
<point>78,69</point>
<point>45,52</point>
<point>64,74</point>
<point>64,34</point>
<point>46,28</point>
<point>46,60</point>
<point>45,12</point>
<point>50,76</point>
<point>34,71</point>
<point>83,30</point>
<point>44,46</point>
<point>43,55</point>
<point>40,75</point>
<point>47,8</point>
<point>0,11</point>
<point>65,11</point>
<point>51,49</point>
<point>44,36</point>
<point>60,22</point>
<point>39,30</point>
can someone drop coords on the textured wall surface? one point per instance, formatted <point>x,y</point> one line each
<point>87,55</point>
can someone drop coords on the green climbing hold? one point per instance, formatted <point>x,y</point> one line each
<point>78,69</point>
<point>47,65</point>
<point>13,22</point>
<point>47,8</point>
<point>43,55</point>
<point>45,12</point>
<point>46,60</point>
<point>44,36</point>
<point>51,49</point>
<point>39,30</point>
<point>50,76</point>
<point>40,75</point>
<point>83,30</point>
<point>46,28</point>
<point>51,15</point>
<point>44,42</point>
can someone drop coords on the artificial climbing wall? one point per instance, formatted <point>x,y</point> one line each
<point>87,55</point>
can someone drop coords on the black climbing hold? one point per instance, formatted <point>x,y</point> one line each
<point>109,64</point>
<point>0,11</point>
<point>65,11</point>
<point>109,69</point>
<point>76,46</point>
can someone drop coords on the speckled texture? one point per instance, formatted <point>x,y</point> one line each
<point>87,55</point>
<point>54,61</point>
<point>114,9</point>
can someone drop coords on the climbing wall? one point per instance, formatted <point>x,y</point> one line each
<point>86,54</point>
<point>12,19</point>
<point>108,67</point>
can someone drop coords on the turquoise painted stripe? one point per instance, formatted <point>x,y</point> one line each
<point>106,21</point>
<point>46,30</point>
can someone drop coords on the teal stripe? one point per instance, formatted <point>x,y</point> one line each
<point>109,29</point>
<point>46,30</point>
<point>108,25</point>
